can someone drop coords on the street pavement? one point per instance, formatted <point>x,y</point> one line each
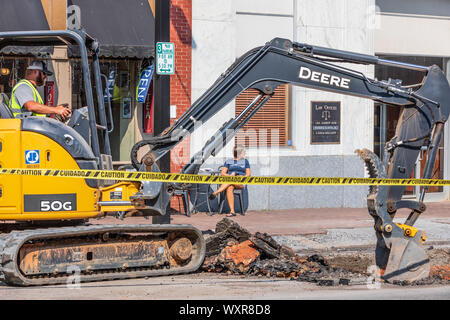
<point>301,228</point>
<point>206,286</point>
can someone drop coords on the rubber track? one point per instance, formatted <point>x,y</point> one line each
<point>11,243</point>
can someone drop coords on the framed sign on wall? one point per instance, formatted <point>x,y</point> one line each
<point>325,122</point>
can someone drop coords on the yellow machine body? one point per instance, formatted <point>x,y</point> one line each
<point>15,189</point>
<point>118,192</point>
<point>45,255</point>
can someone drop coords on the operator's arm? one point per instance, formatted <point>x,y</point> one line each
<point>25,98</point>
<point>224,172</point>
<point>247,168</point>
<point>36,107</point>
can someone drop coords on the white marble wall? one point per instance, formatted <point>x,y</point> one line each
<point>213,51</point>
<point>413,27</point>
<point>225,29</point>
<point>344,25</point>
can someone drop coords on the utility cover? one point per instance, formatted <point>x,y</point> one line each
<point>165,58</point>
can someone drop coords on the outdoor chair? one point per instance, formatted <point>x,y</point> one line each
<point>237,193</point>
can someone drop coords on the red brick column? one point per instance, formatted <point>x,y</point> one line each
<point>180,82</point>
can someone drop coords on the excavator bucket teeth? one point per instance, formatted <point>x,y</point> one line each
<point>374,165</point>
<point>369,162</point>
<point>407,261</point>
<point>375,168</point>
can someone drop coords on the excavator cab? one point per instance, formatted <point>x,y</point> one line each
<point>84,121</point>
<point>81,143</point>
<point>43,142</point>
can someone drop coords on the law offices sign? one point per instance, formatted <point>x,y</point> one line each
<point>325,122</point>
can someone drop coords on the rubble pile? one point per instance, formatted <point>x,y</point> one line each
<point>234,250</point>
<point>442,272</point>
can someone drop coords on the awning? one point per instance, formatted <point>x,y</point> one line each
<point>122,28</point>
<point>23,15</point>
<point>44,38</point>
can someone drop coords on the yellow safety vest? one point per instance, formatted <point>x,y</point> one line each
<point>15,107</point>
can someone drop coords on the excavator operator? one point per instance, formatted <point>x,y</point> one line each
<point>26,98</point>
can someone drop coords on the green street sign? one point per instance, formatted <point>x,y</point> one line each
<point>165,58</point>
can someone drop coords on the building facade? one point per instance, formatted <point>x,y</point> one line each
<point>410,30</point>
<point>244,25</point>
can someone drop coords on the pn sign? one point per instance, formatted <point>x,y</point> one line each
<point>165,58</point>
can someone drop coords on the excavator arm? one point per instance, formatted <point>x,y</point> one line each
<point>424,107</point>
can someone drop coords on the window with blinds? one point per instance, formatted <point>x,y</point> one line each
<point>269,126</point>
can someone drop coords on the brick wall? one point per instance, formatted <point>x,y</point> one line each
<point>180,82</point>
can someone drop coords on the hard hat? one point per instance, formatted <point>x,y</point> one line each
<point>39,65</point>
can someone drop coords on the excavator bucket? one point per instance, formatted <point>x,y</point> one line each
<point>406,260</point>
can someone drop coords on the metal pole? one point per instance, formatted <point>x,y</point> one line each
<point>383,128</point>
<point>161,90</point>
<point>100,104</point>
<point>402,65</point>
<point>428,173</point>
<point>90,102</point>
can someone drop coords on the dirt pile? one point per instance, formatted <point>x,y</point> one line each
<point>440,264</point>
<point>234,250</point>
<point>442,272</point>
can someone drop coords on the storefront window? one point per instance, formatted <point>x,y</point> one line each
<point>11,71</point>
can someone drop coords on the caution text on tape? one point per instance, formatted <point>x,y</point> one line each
<point>216,179</point>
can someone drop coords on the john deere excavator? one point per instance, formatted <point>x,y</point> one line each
<point>33,252</point>
<point>47,242</point>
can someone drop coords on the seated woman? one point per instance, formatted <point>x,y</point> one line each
<point>238,166</point>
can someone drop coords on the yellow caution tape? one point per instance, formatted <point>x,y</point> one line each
<point>215,179</point>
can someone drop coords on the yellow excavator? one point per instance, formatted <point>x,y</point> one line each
<point>46,241</point>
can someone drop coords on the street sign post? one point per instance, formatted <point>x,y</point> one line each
<point>165,58</point>
<point>161,91</point>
